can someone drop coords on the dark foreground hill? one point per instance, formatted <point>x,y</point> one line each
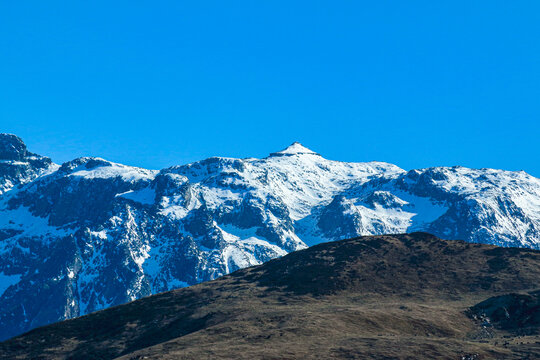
<point>400,296</point>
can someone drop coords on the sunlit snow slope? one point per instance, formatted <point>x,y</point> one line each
<point>90,233</point>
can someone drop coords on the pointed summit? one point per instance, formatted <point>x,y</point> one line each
<point>294,149</point>
<point>12,147</point>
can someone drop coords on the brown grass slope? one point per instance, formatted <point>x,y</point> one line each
<point>379,297</point>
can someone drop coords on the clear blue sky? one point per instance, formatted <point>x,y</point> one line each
<point>415,83</point>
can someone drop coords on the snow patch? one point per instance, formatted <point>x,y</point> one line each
<point>144,196</point>
<point>127,173</point>
<point>8,280</point>
<point>295,149</point>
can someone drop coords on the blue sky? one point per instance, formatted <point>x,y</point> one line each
<point>152,84</point>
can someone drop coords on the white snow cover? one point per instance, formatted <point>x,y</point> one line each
<point>301,181</point>
<point>144,196</point>
<point>7,280</point>
<point>242,243</point>
<point>295,149</point>
<point>25,224</point>
<point>128,173</point>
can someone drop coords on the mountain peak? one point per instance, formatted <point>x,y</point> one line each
<point>294,149</point>
<point>12,147</point>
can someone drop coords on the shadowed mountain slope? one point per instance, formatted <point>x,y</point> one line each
<point>395,296</point>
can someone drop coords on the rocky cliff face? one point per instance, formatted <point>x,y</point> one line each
<point>90,233</point>
<point>18,165</point>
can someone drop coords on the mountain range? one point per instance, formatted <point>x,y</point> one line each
<point>90,234</point>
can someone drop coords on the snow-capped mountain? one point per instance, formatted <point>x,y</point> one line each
<point>90,233</point>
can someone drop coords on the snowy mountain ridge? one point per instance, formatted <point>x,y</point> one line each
<point>89,234</point>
